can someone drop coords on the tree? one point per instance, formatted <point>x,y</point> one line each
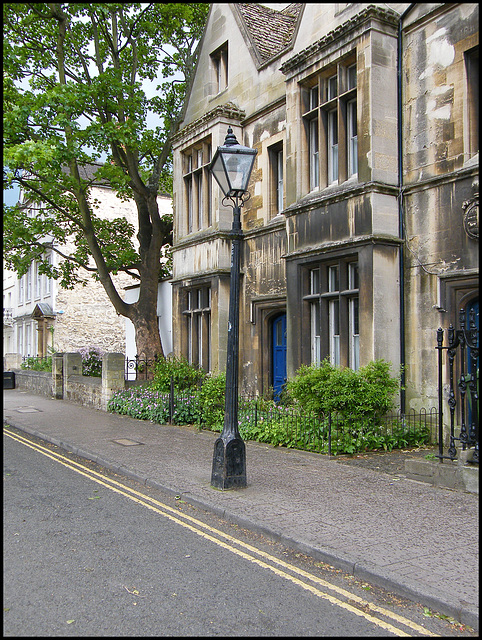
<point>75,78</point>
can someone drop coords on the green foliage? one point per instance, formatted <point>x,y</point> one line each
<point>264,421</point>
<point>81,83</point>
<point>324,388</point>
<point>184,375</point>
<point>327,403</point>
<point>34,363</point>
<point>187,410</point>
<point>91,361</point>
<point>142,403</point>
<point>211,401</point>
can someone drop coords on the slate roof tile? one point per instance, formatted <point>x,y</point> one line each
<point>271,31</point>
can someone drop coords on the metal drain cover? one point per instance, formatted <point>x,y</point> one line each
<point>126,442</point>
<point>27,410</point>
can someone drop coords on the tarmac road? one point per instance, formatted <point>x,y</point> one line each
<point>89,552</point>
<point>410,538</point>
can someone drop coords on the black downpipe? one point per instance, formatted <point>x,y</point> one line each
<point>400,207</point>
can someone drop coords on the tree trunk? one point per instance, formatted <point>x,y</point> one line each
<point>148,340</point>
<point>144,311</point>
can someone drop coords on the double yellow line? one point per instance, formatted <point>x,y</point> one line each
<point>303,579</point>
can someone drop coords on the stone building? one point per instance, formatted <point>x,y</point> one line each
<point>40,316</point>
<point>361,233</point>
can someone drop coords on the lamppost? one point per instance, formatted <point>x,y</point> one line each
<point>231,167</point>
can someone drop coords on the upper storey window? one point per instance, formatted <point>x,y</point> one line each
<point>329,109</point>
<point>219,68</point>
<point>197,187</point>
<point>472,74</point>
<point>275,176</point>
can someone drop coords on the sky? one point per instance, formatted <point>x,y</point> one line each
<point>10,197</point>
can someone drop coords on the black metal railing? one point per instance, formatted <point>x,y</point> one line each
<point>462,348</point>
<point>293,427</point>
<point>139,368</point>
<point>335,433</point>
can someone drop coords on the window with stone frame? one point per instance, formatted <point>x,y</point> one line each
<point>197,186</point>
<point>472,75</point>
<point>21,290</point>
<point>47,279</point>
<point>329,111</point>
<point>20,341</point>
<point>219,68</point>
<point>197,316</point>
<point>28,295</point>
<point>333,311</point>
<point>276,179</point>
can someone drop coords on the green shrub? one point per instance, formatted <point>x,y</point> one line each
<point>184,375</point>
<point>141,403</point>
<point>211,401</point>
<point>35,363</point>
<point>187,410</point>
<point>358,402</point>
<point>91,361</point>
<point>325,387</point>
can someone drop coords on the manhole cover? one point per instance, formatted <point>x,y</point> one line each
<point>27,410</point>
<point>126,442</point>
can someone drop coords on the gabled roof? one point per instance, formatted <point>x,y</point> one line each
<point>43,310</point>
<point>269,32</point>
<point>87,172</point>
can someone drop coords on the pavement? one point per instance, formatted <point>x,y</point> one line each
<point>413,539</point>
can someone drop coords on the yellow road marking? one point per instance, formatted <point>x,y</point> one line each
<point>166,511</point>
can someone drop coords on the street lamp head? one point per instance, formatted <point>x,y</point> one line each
<point>231,166</point>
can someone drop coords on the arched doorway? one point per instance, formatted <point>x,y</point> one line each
<point>278,350</point>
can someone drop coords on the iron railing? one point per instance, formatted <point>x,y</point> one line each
<point>292,427</point>
<point>139,368</point>
<point>463,400</point>
<point>335,433</point>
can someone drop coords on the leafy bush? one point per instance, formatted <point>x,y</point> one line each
<point>35,363</point>
<point>91,361</point>
<point>211,401</point>
<point>325,387</point>
<point>187,410</point>
<point>184,375</point>
<point>141,403</point>
<point>352,401</point>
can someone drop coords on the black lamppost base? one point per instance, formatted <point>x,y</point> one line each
<point>229,463</point>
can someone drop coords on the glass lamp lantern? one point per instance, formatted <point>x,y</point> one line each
<point>231,166</point>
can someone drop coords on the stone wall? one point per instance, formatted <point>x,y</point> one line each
<point>84,390</point>
<point>39,382</point>
<point>67,382</point>
<point>84,315</point>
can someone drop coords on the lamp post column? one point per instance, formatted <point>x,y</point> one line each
<point>231,167</point>
<point>229,459</point>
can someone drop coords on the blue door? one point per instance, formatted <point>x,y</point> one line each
<point>472,306</point>
<point>279,354</point>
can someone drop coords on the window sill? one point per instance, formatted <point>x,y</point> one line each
<point>216,95</point>
<point>471,162</point>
